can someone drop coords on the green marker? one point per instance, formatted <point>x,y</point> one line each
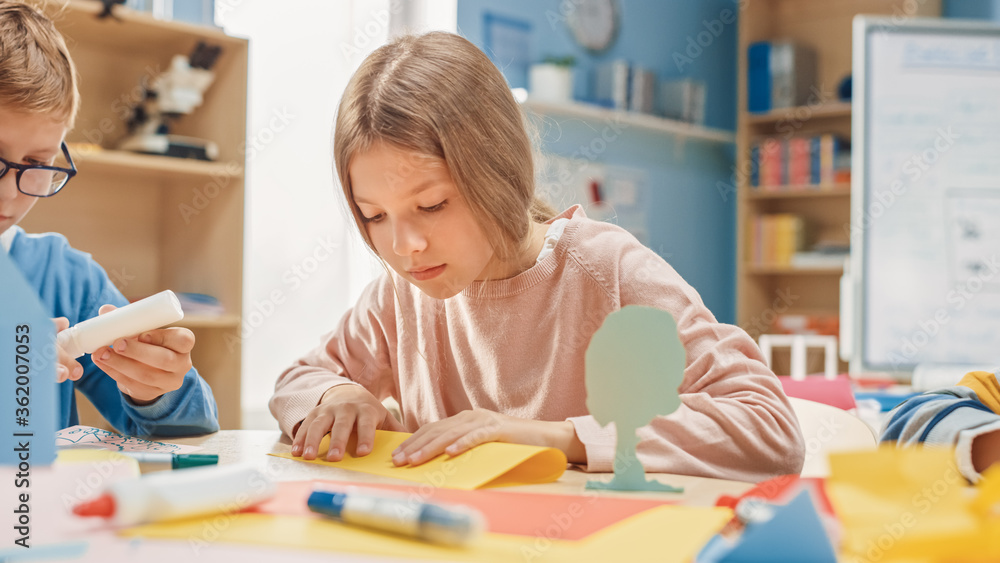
<point>176,461</point>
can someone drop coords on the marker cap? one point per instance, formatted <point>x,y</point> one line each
<point>182,461</point>
<point>327,502</point>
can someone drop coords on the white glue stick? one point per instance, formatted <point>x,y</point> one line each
<point>169,495</point>
<point>150,313</point>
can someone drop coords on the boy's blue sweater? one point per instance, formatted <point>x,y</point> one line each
<point>71,284</point>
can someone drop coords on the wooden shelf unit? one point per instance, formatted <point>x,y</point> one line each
<point>104,161</point>
<point>794,192</point>
<point>821,110</point>
<point>156,222</point>
<point>594,113</point>
<point>768,270</point>
<point>762,290</point>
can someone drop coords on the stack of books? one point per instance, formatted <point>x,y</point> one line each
<point>200,304</point>
<point>823,254</point>
<point>775,238</point>
<point>779,74</point>
<point>802,323</point>
<point>779,163</point>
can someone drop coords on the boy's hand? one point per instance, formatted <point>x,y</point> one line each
<point>340,409</point>
<point>67,368</point>
<point>985,450</point>
<point>467,429</point>
<point>149,364</point>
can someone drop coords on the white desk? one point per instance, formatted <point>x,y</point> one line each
<point>54,490</point>
<point>252,446</point>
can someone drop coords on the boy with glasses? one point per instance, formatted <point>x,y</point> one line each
<point>144,384</point>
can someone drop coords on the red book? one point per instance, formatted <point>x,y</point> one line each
<point>771,164</point>
<point>798,161</point>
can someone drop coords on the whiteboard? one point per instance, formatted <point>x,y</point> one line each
<point>925,217</point>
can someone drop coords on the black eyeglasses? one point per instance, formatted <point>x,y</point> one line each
<point>39,180</point>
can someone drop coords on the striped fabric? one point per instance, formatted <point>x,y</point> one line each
<point>953,416</point>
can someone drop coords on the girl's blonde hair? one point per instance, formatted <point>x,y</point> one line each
<point>439,96</point>
<point>37,74</point>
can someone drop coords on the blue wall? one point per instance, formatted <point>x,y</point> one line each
<point>691,223</point>
<point>972,9</point>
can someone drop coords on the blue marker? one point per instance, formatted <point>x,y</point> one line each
<point>449,525</point>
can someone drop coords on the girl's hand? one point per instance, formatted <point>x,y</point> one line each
<point>67,368</point>
<point>149,364</point>
<point>340,410</point>
<point>467,429</point>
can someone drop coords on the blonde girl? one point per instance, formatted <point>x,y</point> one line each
<point>479,326</point>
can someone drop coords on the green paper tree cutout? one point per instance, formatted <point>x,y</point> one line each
<point>635,363</point>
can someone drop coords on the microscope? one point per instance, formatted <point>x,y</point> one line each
<point>171,94</point>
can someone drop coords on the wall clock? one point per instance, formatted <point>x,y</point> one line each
<point>594,23</point>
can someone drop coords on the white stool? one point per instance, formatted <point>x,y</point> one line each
<point>799,344</point>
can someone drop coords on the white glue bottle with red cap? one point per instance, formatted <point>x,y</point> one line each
<point>169,495</point>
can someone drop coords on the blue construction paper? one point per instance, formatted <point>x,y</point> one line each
<point>887,400</point>
<point>715,550</point>
<point>46,552</point>
<point>794,535</point>
<point>27,373</point>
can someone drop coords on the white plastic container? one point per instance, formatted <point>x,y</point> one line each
<point>150,313</point>
<point>550,82</point>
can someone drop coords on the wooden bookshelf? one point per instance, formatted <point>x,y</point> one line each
<point>156,222</point>
<point>764,290</point>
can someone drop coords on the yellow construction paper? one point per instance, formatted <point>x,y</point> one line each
<point>665,534</point>
<point>493,464</point>
<point>97,455</point>
<point>987,501</point>
<point>905,504</point>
